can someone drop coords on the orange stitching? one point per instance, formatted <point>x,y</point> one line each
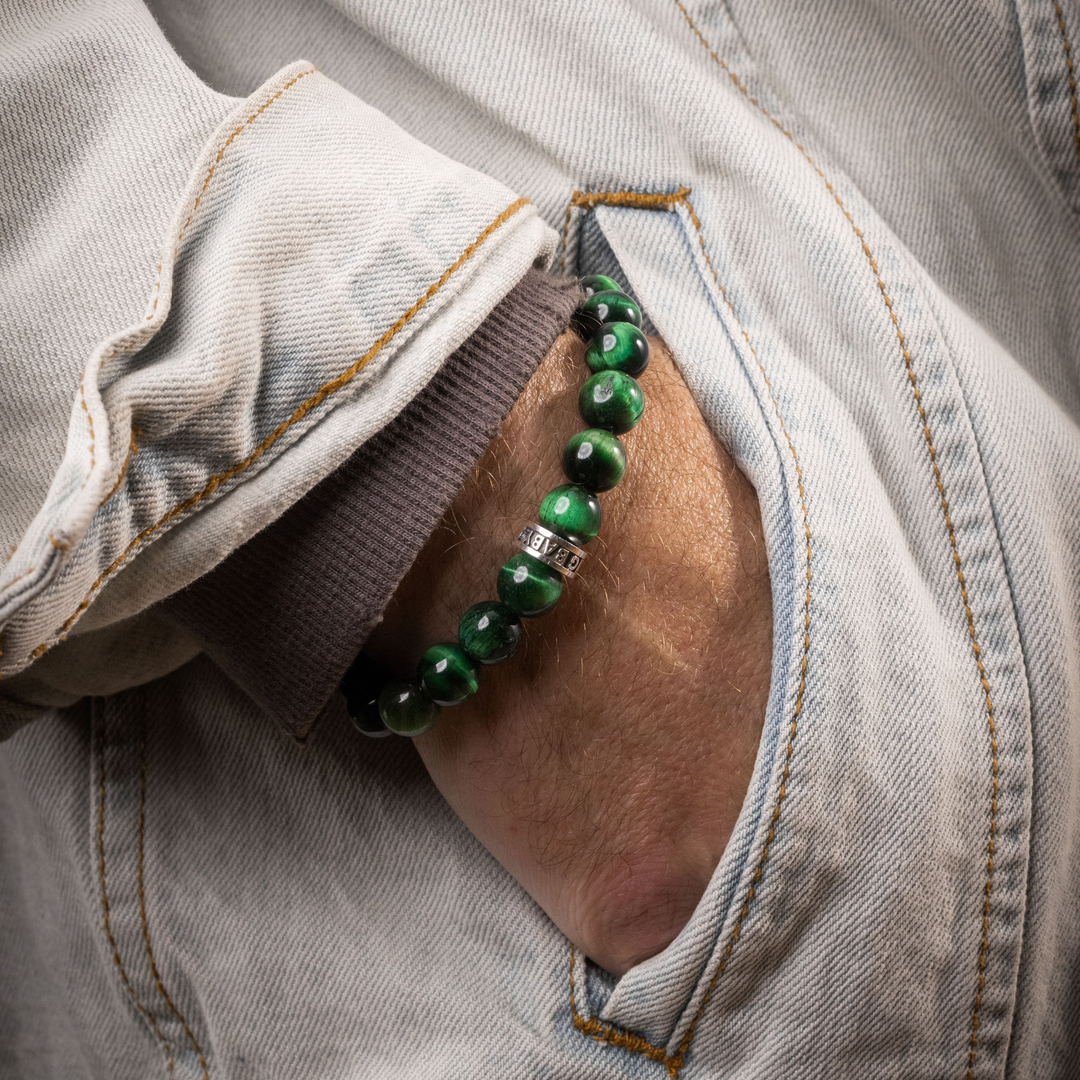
<point>142,909</point>
<point>90,421</point>
<point>132,451</point>
<point>688,1037</point>
<point>589,200</point>
<point>609,1033</point>
<point>985,943</point>
<point>316,399</point>
<point>157,283</point>
<point>1072,77</point>
<point>593,1026</point>
<point>176,248</point>
<point>105,901</point>
<point>15,581</point>
<point>221,153</point>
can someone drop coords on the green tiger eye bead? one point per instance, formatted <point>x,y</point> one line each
<point>612,401</point>
<point>599,283</point>
<point>489,632</point>
<point>528,587</point>
<point>595,459</point>
<point>361,685</point>
<point>618,347</point>
<point>447,675</point>
<point>608,306</point>
<point>573,512</point>
<point>406,710</point>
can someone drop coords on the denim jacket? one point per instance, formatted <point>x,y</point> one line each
<point>222,269</point>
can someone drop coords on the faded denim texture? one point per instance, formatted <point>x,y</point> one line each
<point>857,230</point>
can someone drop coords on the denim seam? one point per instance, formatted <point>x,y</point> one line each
<point>138,341</point>
<point>1072,77</point>
<point>132,451</point>
<point>142,908</point>
<point>594,1027</point>
<point>588,200</point>
<point>977,650</point>
<point>105,910</point>
<point>15,581</point>
<point>93,443</point>
<point>325,391</point>
<point>145,336</point>
<point>217,161</point>
<point>605,1032</point>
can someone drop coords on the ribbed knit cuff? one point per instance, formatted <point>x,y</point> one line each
<point>285,614</point>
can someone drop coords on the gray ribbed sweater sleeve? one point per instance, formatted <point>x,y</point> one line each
<point>286,613</point>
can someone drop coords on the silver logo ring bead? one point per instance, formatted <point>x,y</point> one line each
<point>551,549</point>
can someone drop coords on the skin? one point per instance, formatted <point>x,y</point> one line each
<point>606,764</point>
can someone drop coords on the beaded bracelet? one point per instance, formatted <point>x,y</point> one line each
<point>529,583</point>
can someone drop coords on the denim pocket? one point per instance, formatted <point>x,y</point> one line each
<point>1050,30</point>
<point>157,996</point>
<point>653,245</point>
<point>849,912</point>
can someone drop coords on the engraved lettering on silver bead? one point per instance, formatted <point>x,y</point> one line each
<point>551,549</point>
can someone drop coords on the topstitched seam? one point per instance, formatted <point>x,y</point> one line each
<point>977,650</point>
<point>105,905</point>
<point>221,153</point>
<point>144,336</point>
<point>132,452</point>
<point>597,1029</point>
<point>142,908</point>
<point>1072,78</point>
<point>15,581</point>
<point>588,200</point>
<point>593,1026</point>
<point>316,399</point>
<point>90,421</point>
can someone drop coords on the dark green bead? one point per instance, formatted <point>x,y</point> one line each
<point>406,710</point>
<point>489,632</point>
<point>595,459</point>
<point>366,719</point>
<point>447,675</point>
<point>573,512</point>
<point>528,587</point>
<point>599,283</point>
<point>609,306</point>
<point>612,401</point>
<point>361,685</point>
<point>618,347</point>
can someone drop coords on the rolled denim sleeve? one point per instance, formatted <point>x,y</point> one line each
<point>285,614</point>
<point>210,304</point>
<point>855,228</point>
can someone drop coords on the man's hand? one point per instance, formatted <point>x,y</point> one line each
<point>606,764</point>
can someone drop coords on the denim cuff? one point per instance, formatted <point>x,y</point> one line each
<point>286,613</point>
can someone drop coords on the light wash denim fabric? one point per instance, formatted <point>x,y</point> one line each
<point>857,229</point>
<point>319,266</point>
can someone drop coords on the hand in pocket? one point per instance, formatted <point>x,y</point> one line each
<point>606,764</point>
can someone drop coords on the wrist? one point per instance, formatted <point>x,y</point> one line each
<point>605,766</point>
